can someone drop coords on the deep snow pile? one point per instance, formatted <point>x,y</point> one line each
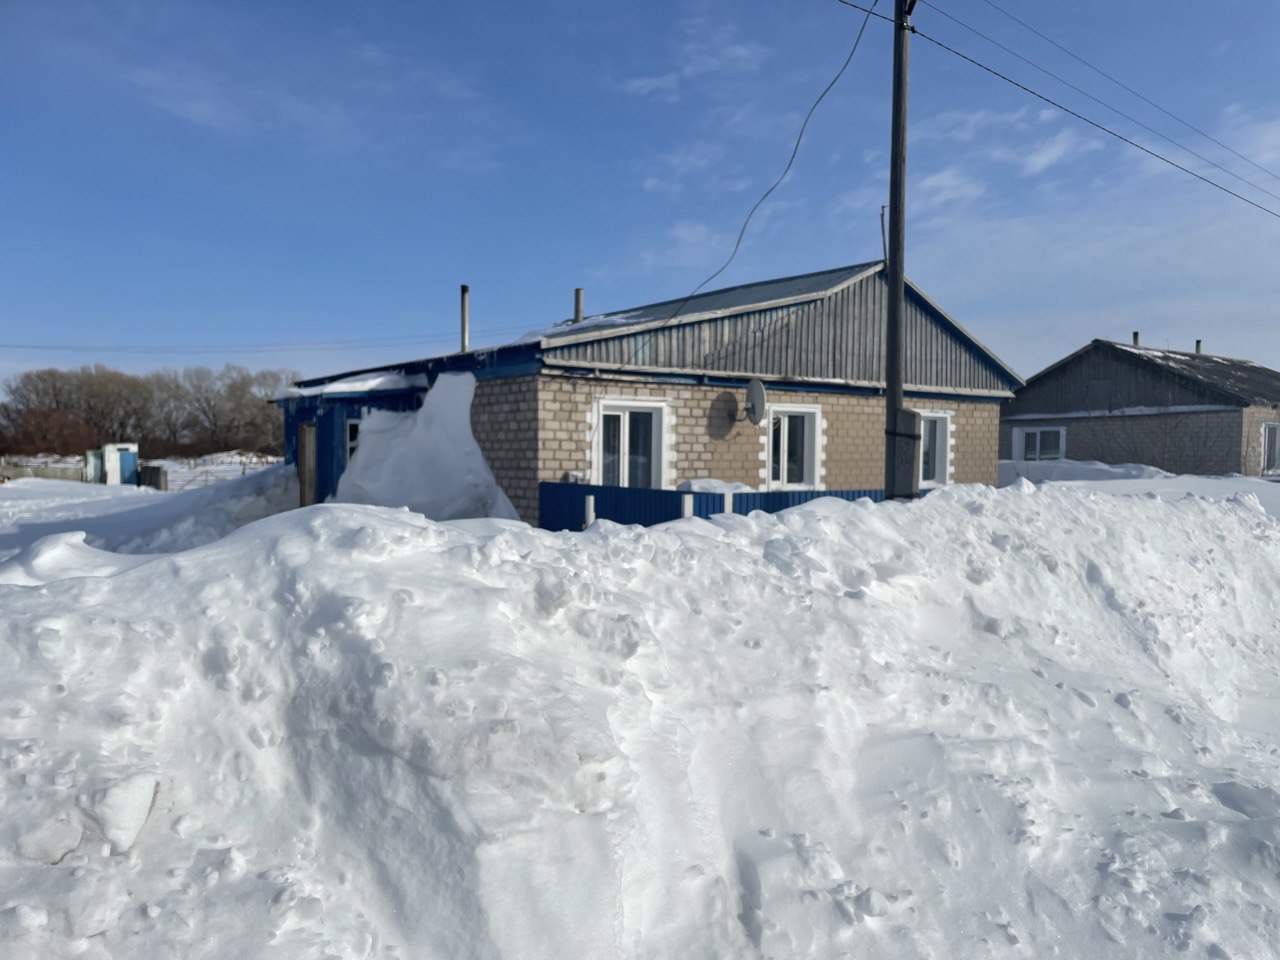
<point>1040,471</point>
<point>426,460</point>
<point>1036,722</point>
<point>138,519</point>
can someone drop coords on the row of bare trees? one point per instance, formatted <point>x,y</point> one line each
<point>186,412</point>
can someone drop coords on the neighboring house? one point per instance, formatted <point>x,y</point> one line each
<point>1121,403</point>
<point>653,396</point>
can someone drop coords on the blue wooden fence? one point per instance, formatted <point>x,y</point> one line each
<point>562,506</point>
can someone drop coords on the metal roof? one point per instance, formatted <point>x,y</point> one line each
<point>821,326</point>
<point>756,296</point>
<point>1242,380</point>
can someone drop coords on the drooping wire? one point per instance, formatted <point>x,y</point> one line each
<point>1120,83</point>
<point>795,150</point>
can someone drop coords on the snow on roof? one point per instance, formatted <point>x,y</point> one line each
<point>1248,381</point>
<point>360,383</point>
<point>713,301</point>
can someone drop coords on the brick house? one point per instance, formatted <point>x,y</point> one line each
<point>1124,403</point>
<point>653,396</point>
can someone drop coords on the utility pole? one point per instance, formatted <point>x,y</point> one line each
<point>901,427</point>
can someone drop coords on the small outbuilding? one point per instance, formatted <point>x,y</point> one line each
<point>653,396</point>
<point>1185,412</point>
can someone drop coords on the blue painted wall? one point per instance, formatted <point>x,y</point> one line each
<point>330,414</point>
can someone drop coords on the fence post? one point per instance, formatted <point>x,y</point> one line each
<point>588,510</point>
<point>686,505</point>
<point>728,502</point>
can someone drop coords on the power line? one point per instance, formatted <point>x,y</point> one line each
<point>1093,123</point>
<point>198,348</point>
<point>1120,83</point>
<point>1065,109</point>
<point>1086,93</point>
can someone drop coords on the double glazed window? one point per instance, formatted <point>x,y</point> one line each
<point>793,434</point>
<point>1043,444</point>
<point>630,446</point>
<point>933,449</point>
<point>1271,448</point>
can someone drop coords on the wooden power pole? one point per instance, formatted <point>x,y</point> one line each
<point>901,426</point>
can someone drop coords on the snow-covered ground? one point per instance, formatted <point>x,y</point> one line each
<point>131,519</point>
<point>188,474</point>
<point>1031,722</point>
<point>1130,479</point>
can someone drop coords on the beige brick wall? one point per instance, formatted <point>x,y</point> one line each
<point>1251,436</point>
<point>1207,442</point>
<point>538,428</point>
<point>975,430</point>
<point>504,419</point>
<point>708,438</point>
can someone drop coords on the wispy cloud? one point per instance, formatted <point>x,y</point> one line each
<point>964,126</point>
<point>706,45</point>
<point>1064,145</point>
<point>331,89</point>
<point>948,187</point>
<point>668,172</point>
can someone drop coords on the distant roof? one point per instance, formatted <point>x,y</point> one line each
<point>803,287</point>
<point>1243,380</point>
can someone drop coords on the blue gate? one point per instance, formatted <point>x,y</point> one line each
<point>562,506</point>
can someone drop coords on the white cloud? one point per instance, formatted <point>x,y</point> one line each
<point>947,188</point>
<point>963,125</point>
<point>665,87</point>
<point>1063,145</point>
<point>669,171</point>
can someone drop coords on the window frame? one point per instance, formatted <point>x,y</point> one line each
<point>1262,459</point>
<point>944,417</point>
<point>659,458</point>
<point>1020,443</point>
<point>812,413</point>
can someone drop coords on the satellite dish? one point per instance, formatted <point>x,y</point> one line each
<point>756,401</point>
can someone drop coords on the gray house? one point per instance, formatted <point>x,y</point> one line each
<point>653,396</point>
<point>1125,403</point>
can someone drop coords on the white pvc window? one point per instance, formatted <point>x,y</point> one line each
<point>1271,448</point>
<point>793,447</point>
<point>353,438</point>
<point>629,446</point>
<point>1046,443</point>
<point>935,450</point>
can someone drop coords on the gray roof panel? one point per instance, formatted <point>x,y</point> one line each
<point>1244,380</point>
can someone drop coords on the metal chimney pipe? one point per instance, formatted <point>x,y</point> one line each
<point>465,318</point>
<point>1198,345</point>
<point>577,305</point>
<point>1135,338</point>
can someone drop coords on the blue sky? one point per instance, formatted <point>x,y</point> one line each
<point>197,173</point>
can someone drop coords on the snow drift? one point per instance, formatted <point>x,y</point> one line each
<point>1037,722</point>
<point>427,460</point>
<point>138,519</point>
<point>1041,471</point>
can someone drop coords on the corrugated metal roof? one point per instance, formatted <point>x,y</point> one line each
<point>822,326</point>
<point>731,299</point>
<point>1244,380</point>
